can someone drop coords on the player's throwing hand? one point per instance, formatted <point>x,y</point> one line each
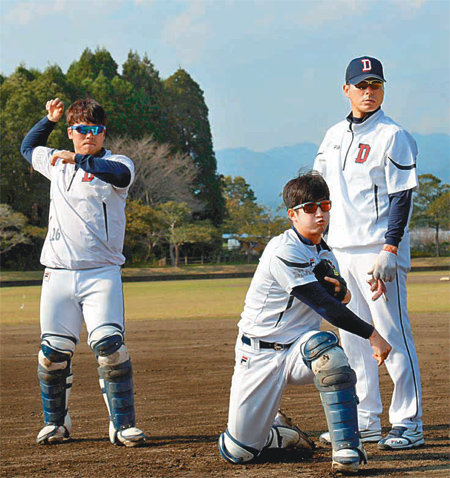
<point>55,109</point>
<point>380,347</point>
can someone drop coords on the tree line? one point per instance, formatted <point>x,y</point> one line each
<point>178,200</point>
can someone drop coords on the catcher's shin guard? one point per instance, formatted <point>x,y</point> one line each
<point>116,383</point>
<point>336,381</point>
<point>55,380</point>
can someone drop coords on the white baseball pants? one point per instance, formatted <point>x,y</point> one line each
<point>389,315</point>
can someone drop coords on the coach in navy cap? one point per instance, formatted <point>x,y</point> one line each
<point>369,161</point>
<point>363,68</point>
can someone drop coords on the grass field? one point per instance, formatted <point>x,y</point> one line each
<point>200,269</point>
<point>206,299</point>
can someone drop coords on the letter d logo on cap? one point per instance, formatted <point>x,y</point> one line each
<point>367,66</point>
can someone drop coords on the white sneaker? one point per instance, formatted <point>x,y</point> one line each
<point>128,436</point>
<point>400,438</point>
<point>349,460</point>
<point>367,436</point>
<point>52,434</point>
<point>287,435</point>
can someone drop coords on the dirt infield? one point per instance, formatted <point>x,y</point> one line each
<point>182,375</point>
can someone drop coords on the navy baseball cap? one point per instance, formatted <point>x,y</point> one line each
<point>360,69</point>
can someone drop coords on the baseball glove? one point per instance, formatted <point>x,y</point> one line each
<point>325,268</point>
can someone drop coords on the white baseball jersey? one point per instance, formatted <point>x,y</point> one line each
<point>87,215</point>
<point>271,312</point>
<point>362,164</point>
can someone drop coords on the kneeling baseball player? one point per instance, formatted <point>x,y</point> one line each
<point>280,341</point>
<point>83,257</point>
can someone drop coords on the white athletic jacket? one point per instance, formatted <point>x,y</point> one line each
<point>362,164</point>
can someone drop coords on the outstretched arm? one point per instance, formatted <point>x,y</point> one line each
<point>333,311</point>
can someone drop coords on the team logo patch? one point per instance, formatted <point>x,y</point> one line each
<point>88,177</point>
<point>366,64</point>
<point>363,153</point>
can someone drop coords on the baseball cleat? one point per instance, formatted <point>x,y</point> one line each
<point>349,460</point>
<point>400,438</point>
<point>367,436</point>
<point>53,434</point>
<point>128,437</point>
<point>288,435</point>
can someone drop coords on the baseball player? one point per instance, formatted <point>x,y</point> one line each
<point>280,341</point>
<point>369,161</point>
<point>82,255</point>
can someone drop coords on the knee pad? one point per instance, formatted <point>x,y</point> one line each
<point>235,452</point>
<point>335,380</point>
<point>105,340</point>
<point>55,377</point>
<point>317,345</point>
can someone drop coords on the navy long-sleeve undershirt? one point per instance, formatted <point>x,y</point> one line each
<point>333,311</point>
<point>111,172</point>
<point>399,207</point>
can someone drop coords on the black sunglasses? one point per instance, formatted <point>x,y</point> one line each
<point>374,84</point>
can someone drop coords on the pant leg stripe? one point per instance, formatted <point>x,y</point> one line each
<point>406,344</point>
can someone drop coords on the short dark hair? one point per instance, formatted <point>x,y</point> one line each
<point>305,188</point>
<point>85,111</point>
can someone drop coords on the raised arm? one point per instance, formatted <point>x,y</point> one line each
<point>39,133</point>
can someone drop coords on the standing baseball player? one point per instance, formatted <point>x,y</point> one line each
<point>369,162</point>
<point>280,341</point>
<point>82,255</point>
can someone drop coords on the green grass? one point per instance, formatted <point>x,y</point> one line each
<point>146,300</point>
<point>198,299</point>
<point>199,269</point>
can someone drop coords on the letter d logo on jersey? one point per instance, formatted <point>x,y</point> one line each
<point>366,64</point>
<point>88,177</point>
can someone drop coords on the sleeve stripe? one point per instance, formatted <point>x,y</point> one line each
<point>399,166</point>
<point>301,265</point>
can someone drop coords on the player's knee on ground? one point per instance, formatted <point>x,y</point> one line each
<point>234,451</point>
<point>335,381</point>
<point>116,376</point>
<point>55,377</point>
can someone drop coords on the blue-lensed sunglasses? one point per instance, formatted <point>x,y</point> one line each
<point>84,129</point>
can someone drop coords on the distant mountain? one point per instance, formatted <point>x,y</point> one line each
<point>268,172</point>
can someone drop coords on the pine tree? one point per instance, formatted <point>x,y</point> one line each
<point>189,130</point>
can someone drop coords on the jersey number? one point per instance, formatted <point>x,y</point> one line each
<point>55,234</point>
<point>364,150</point>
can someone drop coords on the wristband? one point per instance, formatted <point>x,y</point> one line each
<point>389,248</point>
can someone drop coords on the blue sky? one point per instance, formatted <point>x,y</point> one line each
<point>271,71</point>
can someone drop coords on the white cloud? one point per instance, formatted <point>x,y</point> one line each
<point>318,12</point>
<point>25,12</point>
<point>188,32</point>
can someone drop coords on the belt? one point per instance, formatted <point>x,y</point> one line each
<point>266,345</point>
